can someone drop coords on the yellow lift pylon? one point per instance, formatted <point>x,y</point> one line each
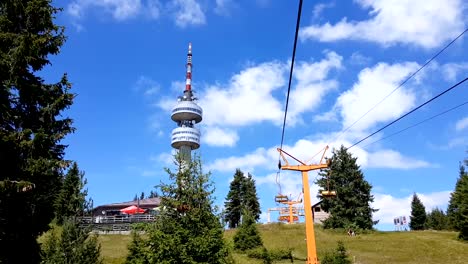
<point>304,169</point>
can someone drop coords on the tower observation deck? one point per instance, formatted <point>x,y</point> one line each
<point>186,114</point>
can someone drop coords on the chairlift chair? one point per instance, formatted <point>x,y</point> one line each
<point>281,198</point>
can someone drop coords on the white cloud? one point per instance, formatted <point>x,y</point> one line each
<point>372,86</point>
<point>391,207</point>
<point>462,124</point>
<point>312,84</point>
<point>247,98</point>
<point>223,7</point>
<point>147,85</point>
<point>166,158</point>
<point>425,23</point>
<point>154,9</point>
<point>246,163</point>
<point>184,12</point>
<point>318,9</point>
<point>187,12</point>
<point>358,59</point>
<point>120,9</point>
<point>215,136</point>
<point>394,160</point>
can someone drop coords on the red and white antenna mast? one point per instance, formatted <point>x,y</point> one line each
<point>188,76</point>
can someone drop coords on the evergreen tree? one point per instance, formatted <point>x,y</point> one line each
<point>187,230</point>
<point>250,197</point>
<point>340,256</point>
<point>71,200</point>
<point>137,251</point>
<point>31,126</point>
<point>458,205</point>
<point>142,196</point>
<point>351,206</point>
<point>72,245</point>
<point>233,204</point>
<point>135,198</point>
<point>247,237</point>
<point>418,214</point>
<point>153,194</point>
<point>436,220</point>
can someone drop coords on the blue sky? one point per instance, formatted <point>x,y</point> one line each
<point>126,60</point>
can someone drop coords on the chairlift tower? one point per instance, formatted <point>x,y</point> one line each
<point>186,137</point>
<point>304,169</point>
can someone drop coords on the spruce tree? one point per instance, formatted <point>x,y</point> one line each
<point>32,126</point>
<point>247,236</point>
<point>250,197</point>
<point>187,229</point>
<point>457,210</point>
<point>437,220</point>
<point>71,244</point>
<point>71,200</point>
<point>351,206</point>
<point>418,214</point>
<point>233,204</point>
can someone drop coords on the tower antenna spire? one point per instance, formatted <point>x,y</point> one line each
<point>188,76</point>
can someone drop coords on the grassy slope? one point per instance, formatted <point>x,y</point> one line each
<point>377,247</point>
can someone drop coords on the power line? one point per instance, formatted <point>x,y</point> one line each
<point>299,12</point>
<point>423,121</point>
<point>402,83</point>
<point>401,117</point>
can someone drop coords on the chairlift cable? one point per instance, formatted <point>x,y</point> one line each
<point>423,121</point>
<point>299,12</point>
<point>401,117</point>
<point>401,84</point>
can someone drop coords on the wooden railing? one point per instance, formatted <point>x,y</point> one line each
<point>117,219</point>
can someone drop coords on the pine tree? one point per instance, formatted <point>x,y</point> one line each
<point>418,214</point>
<point>135,198</point>
<point>437,220</point>
<point>250,197</point>
<point>233,204</point>
<point>247,236</point>
<point>71,200</point>
<point>351,206</point>
<point>457,210</point>
<point>73,244</point>
<point>31,126</point>
<point>142,196</point>
<point>187,230</point>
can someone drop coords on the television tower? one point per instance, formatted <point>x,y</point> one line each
<point>186,114</point>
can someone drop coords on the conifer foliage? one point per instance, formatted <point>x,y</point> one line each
<point>457,210</point>
<point>247,237</point>
<point>71,200</point>
<point>187,229</point>
<point>351,206</point>
<point>31,126</point>
<point>418,214</point>
<point>71,244</point>
<point>437,220</point>
<point>242,196</point>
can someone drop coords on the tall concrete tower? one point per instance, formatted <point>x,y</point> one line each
<point>186,114</point>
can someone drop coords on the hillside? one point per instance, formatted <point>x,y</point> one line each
<point>376,247</point>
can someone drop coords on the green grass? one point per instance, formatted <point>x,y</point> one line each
<point>375,247</point>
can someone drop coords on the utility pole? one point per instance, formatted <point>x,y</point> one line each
<point>304,169</point>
